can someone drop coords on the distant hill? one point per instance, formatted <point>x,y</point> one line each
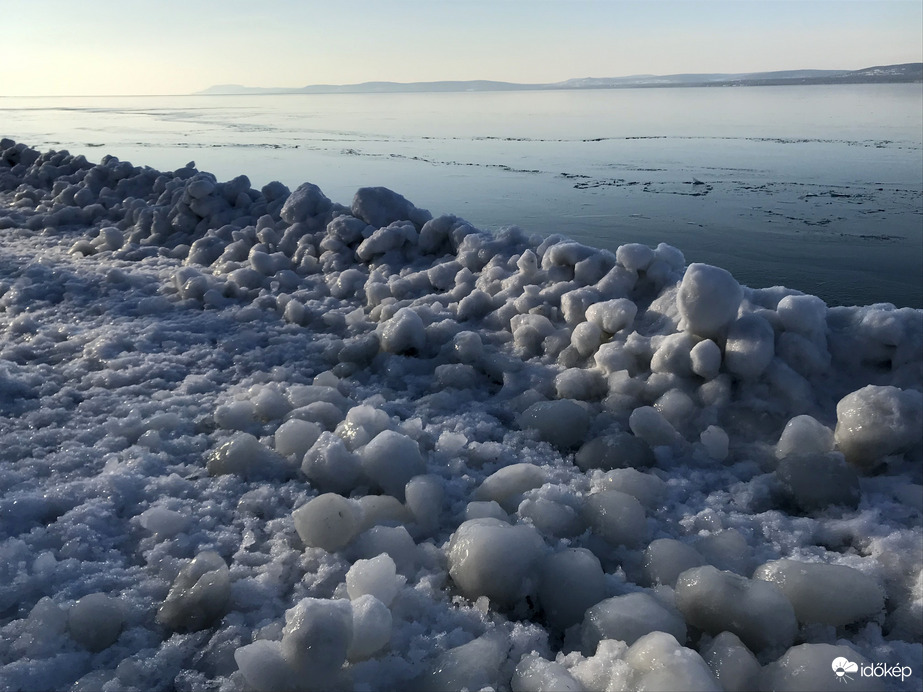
<point>908,72</point>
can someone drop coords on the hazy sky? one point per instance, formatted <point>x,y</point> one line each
<point>63,47</point>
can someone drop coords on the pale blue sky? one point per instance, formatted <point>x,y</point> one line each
<point>59,47</point>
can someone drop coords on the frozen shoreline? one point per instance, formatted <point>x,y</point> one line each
<point>187,365</point>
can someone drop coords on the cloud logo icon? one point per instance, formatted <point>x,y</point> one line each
<point>842,666</point>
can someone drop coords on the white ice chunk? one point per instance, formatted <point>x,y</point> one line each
<point>268,402</point>
<point>676,406</point>
<point>390,460</point>
<point>361,424</point>
<point>163,522</point>
<point>572,580</point>
<point>424,499</point>
<point>330,465</point>
<point>756,611</point>
<point>705,357</point>
<point>647,488</point>
<point>874,422</point>
<point>829,594</point>
<point>236,415</point>
<point>816,481</point>
<point>485,510</point>
<point>295,437</point>
<point>651,426</point>
<point>732,663</point>
<point>467,347</point>
<point>471,666</point>
<point>316,637</point>
<point>708,299</point>
<point>507,485</point>
<point>371,627</point>
<point>490,558</point>
<point>379,206</point>
<point>750,347</point>
<point>819,667</point>
<point>95,621</point>
<point>804,435</point>
<point>304,203</point>
<point>715,441</point>
<point>666,558</point>
<point>805,314</point>
<point>403,334</point>
<point>381,509</point>
<point>535,674</point>
<point>616,516</point>
<point>586,338</point>
<point>262,665</point>
<point>327,521</point>
<point>580,384</point>
<point>673,355</point>
<point>563,422</point>
<point>612,357</point>
<point>375,577</point>
<point>395,541</point>
<point>244,455</point>
<point>634,256</point>
<point>619,450</point>
<point>612,316</point>
<point>661,663</point>
<point>627,618</point>
<point>199,594</point>
<point>726,550</point>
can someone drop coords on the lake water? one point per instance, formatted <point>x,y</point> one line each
<point>816,188</point>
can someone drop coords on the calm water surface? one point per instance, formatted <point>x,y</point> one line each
<point>816,188</point>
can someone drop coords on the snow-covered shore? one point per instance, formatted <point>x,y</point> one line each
<point>255,439</point>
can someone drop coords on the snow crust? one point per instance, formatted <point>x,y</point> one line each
<point>259,440</point>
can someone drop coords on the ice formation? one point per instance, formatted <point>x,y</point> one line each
<point>259,440</point>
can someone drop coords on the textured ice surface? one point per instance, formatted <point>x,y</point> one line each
<point>255,439</point>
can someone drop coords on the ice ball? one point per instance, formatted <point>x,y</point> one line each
<point>572,580</point>
<point>666,558</point>
<point>804,435</point>
<point>507,485</point>
<point>732,663</point>
<point>488,557</point>
<point>262,665</point>
<point>375,577</point>
<point>563,423</point>
<point>616,516</point>
<point>295,437</point>
<point>627,618</point>
<point>390,460</point>
<point>371,627</point>
<point>876,421</point>
<point>472,666</point>
<point>750,347</point>
<point>661,663</point>
<point>816,481</point>
<point>818,667</point>
<point>95,621</point>
<point>829,594</point>
<point>246,456</point>
<point>756,611</point>
<point>708,299</point>
<point>328,521</point>
<point>316,636</point>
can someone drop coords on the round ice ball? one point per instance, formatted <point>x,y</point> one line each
<point>662,663</point>
<point>666,558</point>
<point>317,635</point>
<point>616,516</point>
<point>262,665</point>
<point>708,299</point>
<point>162,521</point>
<point>817,667</point>
<point>246,456</point>
<point>391,459</point>
<point>563,422</point>
<point>830,594</point>
<point>374,577</point>
<point>756,611</point>
<point>507,485</point>
<point>750,347</point>
<point>732,663</point>
<point>371,627</point>
<point>572,580</point>
<point>328,521</point>
<point>627,618</point>
<point>295,437</point>
<point>804,435</point>
<point>95,621</point>
<point>488,557</point>
<point>876,421</point>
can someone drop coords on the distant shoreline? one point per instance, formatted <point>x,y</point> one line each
<point>908,73</point>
